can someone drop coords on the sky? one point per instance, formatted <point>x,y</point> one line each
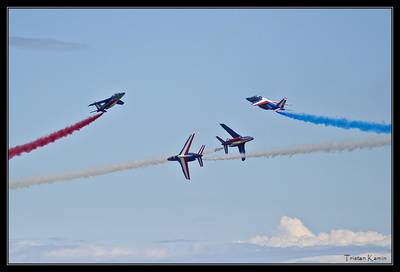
<point>185,71</point>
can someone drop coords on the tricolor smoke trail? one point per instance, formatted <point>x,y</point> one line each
<point>339,122</point>
<point>324,147</point>
<point>18,150</point>
<point>96,171</point>
<point>312,148</point>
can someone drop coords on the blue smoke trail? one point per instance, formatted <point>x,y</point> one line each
<point>339,122</point>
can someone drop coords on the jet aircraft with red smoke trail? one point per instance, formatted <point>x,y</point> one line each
<point>102,105</point>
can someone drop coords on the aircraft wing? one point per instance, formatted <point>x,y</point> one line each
<point>230,131</point>
<point>261,102</point>
<point>185,167</point>
<point>99,102</point>
<point>253,99</point>
<point>186,147</point>
<point>242,151</point>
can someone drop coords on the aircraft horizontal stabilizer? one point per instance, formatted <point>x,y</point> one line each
<point>222,141</point>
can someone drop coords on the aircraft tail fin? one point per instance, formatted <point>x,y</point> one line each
<point>200,159</point>
<point>281,103</point>
<point>201,150</point>
<point>224,144</point>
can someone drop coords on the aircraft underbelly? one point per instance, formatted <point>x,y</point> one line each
<point>112,104</point>
<point>188,157</point>
<point>266,107</point>
<point>236,143</point>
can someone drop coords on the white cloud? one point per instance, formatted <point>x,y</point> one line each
<point>20,244</point>
<point>98,251</point>
<point>294,233</point>
<point>293,242</point>
<point>65,251</point>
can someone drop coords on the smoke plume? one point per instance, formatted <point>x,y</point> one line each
<point>312,148</point>
<point>96,171</point>
<point>339,122</point>
<point>19,149</point>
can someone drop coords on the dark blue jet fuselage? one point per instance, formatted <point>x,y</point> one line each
<point>109,102</point>
<point>188,157</point>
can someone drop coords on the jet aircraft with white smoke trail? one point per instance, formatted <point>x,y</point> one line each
<point>237,140</point>
<point>184,156</point>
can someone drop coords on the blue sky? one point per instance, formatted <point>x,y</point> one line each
<point>186,71</point>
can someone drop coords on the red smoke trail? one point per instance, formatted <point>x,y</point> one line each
<point>15,151</point>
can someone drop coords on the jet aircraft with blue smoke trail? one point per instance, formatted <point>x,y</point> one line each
<point>267,104</point>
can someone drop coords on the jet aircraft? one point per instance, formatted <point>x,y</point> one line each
<point>267,104</point>
<point>237,140</point>
<point>184,156</point>
<point>108,103</point>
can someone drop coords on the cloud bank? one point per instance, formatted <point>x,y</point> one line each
<point>35,251</point>
<point>292,243</point>
<point>293,233</point>
<point>89,251</point>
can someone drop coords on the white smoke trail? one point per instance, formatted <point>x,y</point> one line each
<point>212,151</point>
<point>303,149</point>
<point>311,148</point>
<point>96,171</point>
